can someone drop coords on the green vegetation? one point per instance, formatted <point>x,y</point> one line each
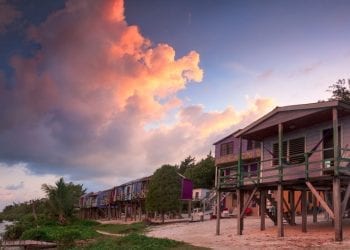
<point>340,90</point>
<point>202,173</point>
<point>137,241</point>
<point>122,229</point>
<point>62,198</point>
<point>164,191</point>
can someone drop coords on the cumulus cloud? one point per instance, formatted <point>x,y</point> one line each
<point>80,106</point>
<point>8,14</point>
<point>83,100</point>
<point>28,188</point>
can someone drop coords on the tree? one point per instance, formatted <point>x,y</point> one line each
<point>189,162</point>
<point>203,173</point>
<point>340,90</point>
<point>62,198</point>
<point>164,191</point>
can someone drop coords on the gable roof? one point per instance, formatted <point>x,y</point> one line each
<point>287,113</point>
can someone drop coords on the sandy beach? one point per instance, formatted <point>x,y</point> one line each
<point>319,236</point>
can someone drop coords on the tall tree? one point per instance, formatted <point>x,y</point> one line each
<point>187,163</point>
<point>62,198</point>
<point>164,191</point>
<point>340,90</point>
<point>203,173</point>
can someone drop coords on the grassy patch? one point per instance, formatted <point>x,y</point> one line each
<point>65,236</point>
<point>137,241</point>
<point>122,228</point>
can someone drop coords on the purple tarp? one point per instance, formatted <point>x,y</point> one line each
<point>187,187</point>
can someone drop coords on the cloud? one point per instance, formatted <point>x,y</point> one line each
<point>15,186</point>
<point>267,74</point>
<point>28,188</point>
<point>8,14</point>
<point>81,105</point>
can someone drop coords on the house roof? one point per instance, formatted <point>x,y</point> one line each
<point>290,113</point>
<point>232,134</point>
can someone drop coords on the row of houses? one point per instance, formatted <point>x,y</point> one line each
<point>293,159</point>
<point>124,201</point>
<point>127,199</point>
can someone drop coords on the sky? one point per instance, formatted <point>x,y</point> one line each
<point>103,92</point>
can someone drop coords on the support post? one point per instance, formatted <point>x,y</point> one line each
<point>246,205</point>
<point>346,199</point>
<point>126,211</point>
<point>335,141</point>
<point>280,151</point>
<point>303,211</point>
<point>262,209</point>
<point>280,232</point>
<point>338,227</point>
<point>320,200</point>
<point>240,173</point>
<point>292,206</point>
<point>189,209</point>
<point>240,200</point>
<point>218,212</point>
<point>314,209</point>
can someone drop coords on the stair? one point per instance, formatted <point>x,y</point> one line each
<point>287,218</point>
<point>268,213</point>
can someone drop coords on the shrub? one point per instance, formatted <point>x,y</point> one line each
<point>13,232</point>
<point>68,236</point>
<point>35,234</point>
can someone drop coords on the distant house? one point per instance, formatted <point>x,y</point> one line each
<point>200,194</point>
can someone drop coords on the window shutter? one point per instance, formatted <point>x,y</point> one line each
<point>297,150</point>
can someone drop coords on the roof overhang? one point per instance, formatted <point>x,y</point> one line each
<point>292,117</point>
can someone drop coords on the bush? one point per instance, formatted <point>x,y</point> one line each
<point>35,234</point>
<point>68,236</point>
<point>13,232</point>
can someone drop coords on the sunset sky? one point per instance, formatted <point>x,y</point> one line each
<point>102,92</point>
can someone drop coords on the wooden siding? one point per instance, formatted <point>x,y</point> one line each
<point>312,136</point>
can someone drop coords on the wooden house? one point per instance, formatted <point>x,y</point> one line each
<point>227,152</point>
<point>302,148</point>
<point>127,200</point>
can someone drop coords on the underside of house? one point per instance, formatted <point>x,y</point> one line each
<point>304,152</point>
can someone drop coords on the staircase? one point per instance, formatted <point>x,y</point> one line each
<point>273,216</point>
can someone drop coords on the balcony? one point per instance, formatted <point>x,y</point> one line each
<point>231,158</point>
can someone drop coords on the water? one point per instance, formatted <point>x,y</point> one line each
<point>3,227</point>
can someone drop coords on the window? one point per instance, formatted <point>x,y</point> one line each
<point>296,150</point>
<point>226,148</point>
<point>196,196</point>
<point>250,169</point>
<point>292,151</point>
<point>252,144</point>
<point>249,145</point>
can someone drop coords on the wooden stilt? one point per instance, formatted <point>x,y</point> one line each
<point>314,209</point>
<point>319,199</point>
<point>280,229</point>
<point>189,209</point>
<point>345,200</point>
<point>262,209</point>
<point>240,199</point>
<point>218,212</point>
<point>303,211</point>
<point>292,207</point>
<point>248,201</point>
<point>338,227</point>
<point>126,211</point>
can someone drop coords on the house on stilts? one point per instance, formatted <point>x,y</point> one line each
<point>303,148</point>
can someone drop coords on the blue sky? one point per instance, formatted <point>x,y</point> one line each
<point>109,91</point>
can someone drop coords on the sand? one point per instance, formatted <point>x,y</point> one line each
<point>319,235</point>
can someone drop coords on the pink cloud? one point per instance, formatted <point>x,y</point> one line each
<point>81,104</point>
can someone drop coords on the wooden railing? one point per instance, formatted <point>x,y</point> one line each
<point>311,164</point>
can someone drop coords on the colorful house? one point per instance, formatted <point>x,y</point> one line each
<point>303,148</point>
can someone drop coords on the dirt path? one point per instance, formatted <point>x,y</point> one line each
<point>319,236</point>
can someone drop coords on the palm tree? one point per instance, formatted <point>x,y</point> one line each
<point>62,198</point>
